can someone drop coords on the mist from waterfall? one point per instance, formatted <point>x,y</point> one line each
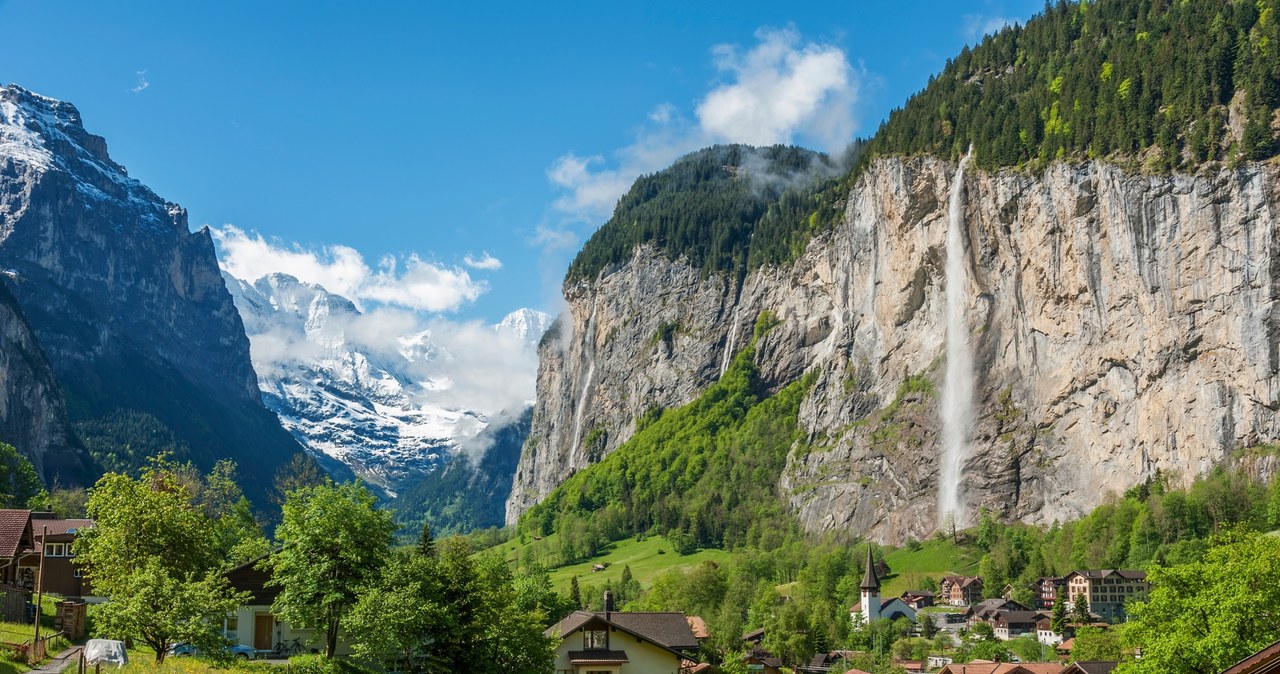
<point>958,385</point>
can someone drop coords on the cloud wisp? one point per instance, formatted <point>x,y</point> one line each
<point>782,89</point>
<point>486,262</point>
<point>978,26</point>
<point>408,282</point>
<point>142,83</point>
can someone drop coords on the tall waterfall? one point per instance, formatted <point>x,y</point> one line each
<point>589,352</point>
<point>958,385</point>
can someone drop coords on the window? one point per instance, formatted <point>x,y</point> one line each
<point>56,550</point>
<point>595,640</point>
<point>233,622</point>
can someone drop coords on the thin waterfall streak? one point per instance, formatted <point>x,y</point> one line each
<point>958,384</point>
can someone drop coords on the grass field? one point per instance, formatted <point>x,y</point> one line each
<point>933,559</point>
<point>648,559</point>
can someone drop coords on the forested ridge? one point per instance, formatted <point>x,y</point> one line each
<point>1154,85</point>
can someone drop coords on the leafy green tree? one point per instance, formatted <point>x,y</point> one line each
<point>19,483</point>
<point>1094,643</point>
<point>334,540</point>
<point>399,616</point>
<point>155,553</point>
<point>575,593</point>
<point>161,608</point>
<point>928,628</point>
<point>1206,615</point>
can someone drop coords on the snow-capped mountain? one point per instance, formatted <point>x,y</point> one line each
<point>352,393</point>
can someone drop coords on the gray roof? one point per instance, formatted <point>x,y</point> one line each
<point>869,580</point>
<point>669,630</point>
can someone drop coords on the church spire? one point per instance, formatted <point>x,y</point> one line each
<point>869,579</point>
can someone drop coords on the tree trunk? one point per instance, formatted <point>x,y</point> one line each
<point>331,639</point>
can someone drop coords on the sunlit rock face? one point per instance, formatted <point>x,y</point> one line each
<point>1120,324</point>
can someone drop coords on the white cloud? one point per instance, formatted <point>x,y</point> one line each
<point>485,261</point>
<point>781,90</point>
<point>142,83</point>
<point>409,282</point>
<point>977,26</point>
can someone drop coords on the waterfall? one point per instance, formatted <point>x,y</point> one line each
<point>729,342</point>
<point>957,387</point>
<point>589,352</point>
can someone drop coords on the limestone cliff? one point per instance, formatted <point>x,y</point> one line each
<point>1121,323</point>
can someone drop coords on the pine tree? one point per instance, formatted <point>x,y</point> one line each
<point>1059,621</point>
<point>1080,612</point>
<point>427,543</point>
<point>928,628</point>
<point>575,593</point>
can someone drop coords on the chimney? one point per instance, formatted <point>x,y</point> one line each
<point>608,603</point>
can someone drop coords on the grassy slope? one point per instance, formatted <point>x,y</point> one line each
<point>644,558</point>
<point>934,559</point>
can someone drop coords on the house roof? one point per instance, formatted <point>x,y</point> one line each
<point>668,630</point>
<point>1090,667</point>
<point>963,581</point>
<point>918,593</point>
<point>884,604</point>
<point>56,525</point>
<point>1017,616</point>
<point>869,580</point>
<point>249,578</point>
<point>698,626</point>
<point>1095,574</point>
<point>753,635</point>
<point>979,667</point>
<point>14,527</point>
<point>1264,661</point>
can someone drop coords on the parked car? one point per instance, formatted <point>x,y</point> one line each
<point>238,650</point>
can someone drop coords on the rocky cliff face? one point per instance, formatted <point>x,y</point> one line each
<point>128,304</point>
<point>33,417</point>
<point>1121,324</point>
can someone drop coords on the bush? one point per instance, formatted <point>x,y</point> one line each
<point>318,664</point>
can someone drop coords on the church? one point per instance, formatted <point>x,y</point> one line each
<point>873,607</point>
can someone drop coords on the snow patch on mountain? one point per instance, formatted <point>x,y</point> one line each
<point>380,392</point>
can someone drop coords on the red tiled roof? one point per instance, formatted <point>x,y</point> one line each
<point>1265,661</point>
<point>58,527</point>
<point>13,526</point>
<point>699,627</point>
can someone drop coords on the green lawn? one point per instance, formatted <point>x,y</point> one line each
<point>933,559</point>
<point>648,559</point>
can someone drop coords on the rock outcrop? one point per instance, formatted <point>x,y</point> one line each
<point>127,303</point>
<point>1121,323</point>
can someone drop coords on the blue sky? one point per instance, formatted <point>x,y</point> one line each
<point>397,152</point>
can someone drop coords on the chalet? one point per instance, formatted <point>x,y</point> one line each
<point>938,661</point>
<point>1107,590</point>
<point>822,663</point>
<point>1265,661</point>
<point>760,660</point>
<point>1090,667</point>
<point>871,607</point>
<point>918,599</point>
<point>985,610</point>
<point>1045,633</point>
<point>54,537</point>
<point>622,642</point>
<point>987,667</point>
<point>1013,624</point>
<point>961,590</point>
<point>1048,588</point>
<point>15,538</point>
<point>255,626</point>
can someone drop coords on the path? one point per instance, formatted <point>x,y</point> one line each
<point>59,662</point>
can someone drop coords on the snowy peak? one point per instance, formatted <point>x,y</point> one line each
<point>366,391</point>
<point>43,135</point>
<point>526,325</point>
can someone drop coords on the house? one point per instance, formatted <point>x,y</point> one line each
<point>1013,624</point>
<point>822,663</point>
<point>1265,661</point>
<point>871,607</point>
<point>985,610</point>
<point>54,536</point>
<point>987,667</point>
<point>1093,667</point>
<point>1107,590</point>
<point>918,599</point>
<point>910,666</point>
<point>15,538</point>
<point>754,637</point>
<point>1048,588</point>
<point>621,642</point>
<point>938,661</point>
<point>760,660</point>
<point>255,626</point>
<point>961,590</point>
<point>1046,635</point>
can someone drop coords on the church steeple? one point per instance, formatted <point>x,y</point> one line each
<point>869,579</point>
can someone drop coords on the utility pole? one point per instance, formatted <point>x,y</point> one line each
<point>40,583</point>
